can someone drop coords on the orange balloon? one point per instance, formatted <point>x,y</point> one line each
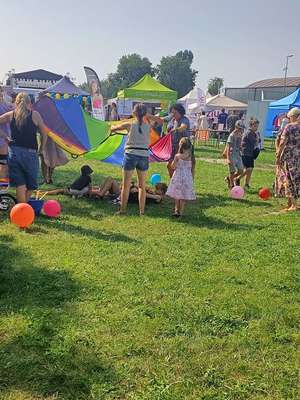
<point>22,215</point>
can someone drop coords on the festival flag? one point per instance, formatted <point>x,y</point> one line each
<point>95,91</point>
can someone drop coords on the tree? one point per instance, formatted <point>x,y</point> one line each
<point>111,85</point>
<point>130,69</point>
<point>176,72</point>
<point>214,85</point>
<point>133,67</point>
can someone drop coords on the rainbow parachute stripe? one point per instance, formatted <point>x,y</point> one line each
<point>79,134</point>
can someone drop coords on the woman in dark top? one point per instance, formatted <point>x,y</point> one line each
<point>23,161</point>
<point>179,127</point>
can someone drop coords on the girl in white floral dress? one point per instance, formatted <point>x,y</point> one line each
<point>181,187</point>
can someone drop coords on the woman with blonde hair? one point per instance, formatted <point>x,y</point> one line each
<point>23,161</point>
<point>288,159</point>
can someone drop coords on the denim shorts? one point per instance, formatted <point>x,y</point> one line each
<point>23,167</point>
<point>132,161</point>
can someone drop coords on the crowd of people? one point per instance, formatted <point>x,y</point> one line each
<point>242,148</point>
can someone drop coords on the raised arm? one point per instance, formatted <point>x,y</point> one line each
<point>183,127</point>
<point>121,127</point>
<point>6,118</point>
<point>153,118</point>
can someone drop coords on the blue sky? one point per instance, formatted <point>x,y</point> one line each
<point>239,40</point>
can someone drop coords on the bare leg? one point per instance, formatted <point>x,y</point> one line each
<point>54,192</point>
<point>182,204</point>
<point>125,190</point>
<point>110,185</point>
<point>248,175</point>
<point>28,195</point>
<point>177,207</point>
<point>142,190</point>
<point>293,206</point>
<point>155,197</point>
<point>231,179</point>
<point>170,169</point>
<point>44,169</point>
<point>21,193</point>
<point>3,171</point>
<point>50,174</point>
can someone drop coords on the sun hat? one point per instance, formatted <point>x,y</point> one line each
<point>294,112</point>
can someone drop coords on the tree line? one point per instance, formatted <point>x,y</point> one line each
<point>175,72</point>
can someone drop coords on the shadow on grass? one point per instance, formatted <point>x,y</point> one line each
<point>213,200</point>
<point>39,353</point>
<point>195,213</point>
<point>63,225</point>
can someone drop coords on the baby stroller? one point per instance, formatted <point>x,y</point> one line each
<point>7,201</point>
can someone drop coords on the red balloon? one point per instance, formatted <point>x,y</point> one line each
<point>52,208</point>
<point>22,215</point>
<point>264,193</point>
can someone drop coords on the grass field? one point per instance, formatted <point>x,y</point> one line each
<point>95,306</point>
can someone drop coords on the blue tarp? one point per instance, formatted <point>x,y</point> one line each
<point>279,107</point>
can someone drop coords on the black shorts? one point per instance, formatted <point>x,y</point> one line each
<point>3,159</point>
<point>248,161</point>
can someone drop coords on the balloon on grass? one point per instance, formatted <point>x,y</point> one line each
<point>155,178</point>
<point>264,193</point>
<point>22,215</point>
<point>237,192</point>
<point>52,208</point>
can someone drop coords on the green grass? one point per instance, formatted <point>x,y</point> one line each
<point>94,306</point>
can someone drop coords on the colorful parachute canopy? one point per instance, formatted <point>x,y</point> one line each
<point>113,148</point>
<point>79,134</point>
<point>70,126</point>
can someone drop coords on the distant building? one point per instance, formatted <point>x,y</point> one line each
<point>38,79</point>
<point>266,89</point>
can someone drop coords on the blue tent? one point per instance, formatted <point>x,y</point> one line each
<point>279,107</point>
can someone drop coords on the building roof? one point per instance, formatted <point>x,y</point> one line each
<point>38,74</point>
<point>276,82</point>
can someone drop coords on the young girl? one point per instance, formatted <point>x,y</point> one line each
<point>181,185</point>
<point>136,154</point>
<point>233,155</point>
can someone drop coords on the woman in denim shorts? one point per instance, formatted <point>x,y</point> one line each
<point>136,155</point>
<point>23,161</point>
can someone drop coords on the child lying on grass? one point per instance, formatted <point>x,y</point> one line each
<point>110,188</point>
<point>80,187</point>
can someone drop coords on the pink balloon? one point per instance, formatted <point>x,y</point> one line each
<point>237,192</point>
<point>52,208</point>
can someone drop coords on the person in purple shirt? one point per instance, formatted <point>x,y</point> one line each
<point>222,118</point>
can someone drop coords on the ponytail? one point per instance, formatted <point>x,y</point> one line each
<point>140,121</point>
<point>140,111</point>
<point>21,111</point>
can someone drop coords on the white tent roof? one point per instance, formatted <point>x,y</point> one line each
<point>192,96</point>
<point>221,101</point>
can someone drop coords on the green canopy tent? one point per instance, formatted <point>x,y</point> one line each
<point>148,88</point>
